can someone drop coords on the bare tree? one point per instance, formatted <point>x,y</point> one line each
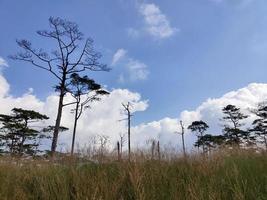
<point>67,58</point>
<point>182,134</point>
<point>103,141</point>
<point>127,108</point>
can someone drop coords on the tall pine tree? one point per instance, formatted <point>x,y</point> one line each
<point>260,124</point>
<point>233,133</point>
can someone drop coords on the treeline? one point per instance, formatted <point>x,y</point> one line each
<point>23,134</point>
<point>234,133</point>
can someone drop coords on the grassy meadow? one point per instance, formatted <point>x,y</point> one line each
<point>239,175</point>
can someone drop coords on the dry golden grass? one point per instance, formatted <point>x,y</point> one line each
<point>239,175</point>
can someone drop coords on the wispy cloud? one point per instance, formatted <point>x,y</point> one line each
<point>137,70</point>
<point>156,24</point>
<point>3,62</point>
<point>133,70</point>
<point>120,54</point>
<point>134,33</point>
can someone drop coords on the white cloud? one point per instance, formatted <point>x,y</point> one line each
<point>210,111</point>
<point>137,70</point>
<point>245,98</point>
<point>156,23</point>
<point>134,69</point>
<point>3,62</point>
<point>4,86</point>
<point>103,118</point>
<point>119,54</point>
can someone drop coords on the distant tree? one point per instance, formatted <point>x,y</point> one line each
<point>67,58</point>
<point>260,124</point>
<point>233,133</point>
<point>102,141</point>
<point>210,141</point>
<point>199,127</point>
<point>18,135</point>
<point>127,109</point>
<point>182,134</point>
<point>84,90</point>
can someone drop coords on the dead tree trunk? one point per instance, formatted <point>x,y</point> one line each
<point>182,133</point>
<point>158,149</point>
<point>129,115</point>
<point>118,150</point>
<point>74,127</point>
<point>57,125</point>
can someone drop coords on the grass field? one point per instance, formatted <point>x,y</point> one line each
<point>222,176</point>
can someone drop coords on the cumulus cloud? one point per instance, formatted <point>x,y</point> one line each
<point>119,54</point>
<point>134,69</point>
<point>104,116</point>
<point>209,111</point>
<point>156,24</point>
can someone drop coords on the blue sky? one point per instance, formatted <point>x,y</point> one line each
<point>190,50</point>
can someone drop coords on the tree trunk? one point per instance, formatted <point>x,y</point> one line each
<point>183,145</point>
<point>59,114</point>
<point>23,139</point>
<point>12,145</point>
<point>74,128</point>
<point>118,150</point>
<point>182,127</point>
<point>121,144</point>
<point>58,120</point>
<point>265,142</point>
<point>21,145</point>
<point>203,146</point>
<point>129,136</point>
